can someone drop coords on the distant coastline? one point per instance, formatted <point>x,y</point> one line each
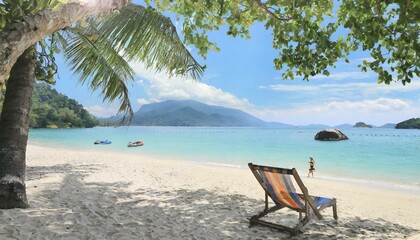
<point>189,113</point>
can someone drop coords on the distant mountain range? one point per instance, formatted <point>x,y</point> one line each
<point>193,113</point>
<point>388,125</point>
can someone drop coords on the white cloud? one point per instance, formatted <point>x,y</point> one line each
<point>363,87</point>
<point>354,75</point>
<point>375,111</point>
<point>290,88</point>
<point>360,60</point>
<point>102,111</point>
<point>142,101</point>
<point>161,88</point>
<point>399,87</point>
<point>346,76</point>
<point>367,106</point>
<point>140,82</point>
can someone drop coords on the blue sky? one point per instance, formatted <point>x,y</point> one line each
<point>242,76</point>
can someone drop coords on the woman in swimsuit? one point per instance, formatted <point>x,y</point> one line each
<point>311,166</point>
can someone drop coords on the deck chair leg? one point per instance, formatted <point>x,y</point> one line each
<point>334,207</point>
<point>301,223</point>
<point>265,212</point>
<point>266,201</point>
<point>255,219</point>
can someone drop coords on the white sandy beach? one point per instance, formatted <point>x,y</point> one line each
<point>103,195</point>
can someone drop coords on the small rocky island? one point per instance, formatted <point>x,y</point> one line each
<point>362,125</point>
<point>330,135</point>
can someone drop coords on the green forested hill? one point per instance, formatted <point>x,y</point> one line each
<point>51,109</point>
<point>409,124</point>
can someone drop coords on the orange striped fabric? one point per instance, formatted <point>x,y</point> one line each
<point>281,187</point>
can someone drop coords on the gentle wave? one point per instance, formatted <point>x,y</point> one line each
<point>374,155</point>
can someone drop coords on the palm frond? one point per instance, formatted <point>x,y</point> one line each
<point>100,67</point>
<point>99,52</point>
<point>144,34</point>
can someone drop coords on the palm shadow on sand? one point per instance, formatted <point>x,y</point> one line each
<point>74,209</point>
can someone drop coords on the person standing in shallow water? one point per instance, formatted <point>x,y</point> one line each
<point>311,166</point>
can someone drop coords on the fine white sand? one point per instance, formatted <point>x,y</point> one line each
<point>103,195</point>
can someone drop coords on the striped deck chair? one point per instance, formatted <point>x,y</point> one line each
<point>278,185</point>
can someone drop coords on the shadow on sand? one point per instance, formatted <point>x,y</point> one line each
<point>74,209</point>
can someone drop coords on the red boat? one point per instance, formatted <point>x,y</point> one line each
<point>135,144</point>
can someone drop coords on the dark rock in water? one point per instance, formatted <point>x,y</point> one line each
<point>330,135</point>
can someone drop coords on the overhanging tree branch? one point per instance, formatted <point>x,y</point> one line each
<point>267,10</point>
<point>19,36</point>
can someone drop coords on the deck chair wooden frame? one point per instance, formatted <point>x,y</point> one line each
<point>302,203</point>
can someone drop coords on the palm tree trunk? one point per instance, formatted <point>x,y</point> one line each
<point>14,128</point>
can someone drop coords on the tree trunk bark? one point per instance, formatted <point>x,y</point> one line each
<point>14,128</point>
<point>19,36</point>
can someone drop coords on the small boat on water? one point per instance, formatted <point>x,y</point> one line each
<point>102,142</point>
<point>135,144</point>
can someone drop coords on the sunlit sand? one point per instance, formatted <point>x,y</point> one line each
<point>104,195</point>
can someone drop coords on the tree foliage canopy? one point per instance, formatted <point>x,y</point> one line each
<point>12,11</point>
<point>312,36</point>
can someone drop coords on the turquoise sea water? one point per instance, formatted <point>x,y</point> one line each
<point>388,157</point>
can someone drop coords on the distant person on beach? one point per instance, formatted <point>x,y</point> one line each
<point>311,166</point>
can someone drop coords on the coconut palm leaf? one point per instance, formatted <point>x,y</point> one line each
<point>144,34</point>
<point>100,67</point>
<point>99,52</point>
